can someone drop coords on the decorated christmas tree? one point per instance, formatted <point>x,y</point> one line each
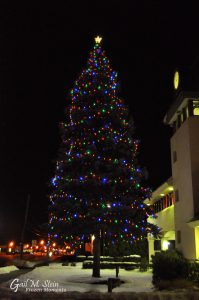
<point>97,188</point>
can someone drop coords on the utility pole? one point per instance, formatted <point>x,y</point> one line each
<point>24,226</point>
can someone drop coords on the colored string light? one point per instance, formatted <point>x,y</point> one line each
<point>97,182</point>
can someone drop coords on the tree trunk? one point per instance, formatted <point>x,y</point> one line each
<point>102,242</point>
<point>96,256</point>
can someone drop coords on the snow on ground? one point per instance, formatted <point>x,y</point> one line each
<point>74,278</point>
<point>8,269</point>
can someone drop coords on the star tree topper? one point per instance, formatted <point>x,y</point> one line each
<point>98,39</point>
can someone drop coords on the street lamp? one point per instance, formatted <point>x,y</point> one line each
<point>11,244</point>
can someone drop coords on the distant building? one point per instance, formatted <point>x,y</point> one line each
<point>176,202</point>
<point>3,248</point>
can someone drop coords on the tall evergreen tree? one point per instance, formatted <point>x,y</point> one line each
<point>97,187</point>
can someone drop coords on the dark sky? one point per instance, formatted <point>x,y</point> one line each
<point>44,47</point>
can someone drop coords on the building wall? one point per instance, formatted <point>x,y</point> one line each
<point>194,147</point>
<point>165,219</point>
<point>185,143</point>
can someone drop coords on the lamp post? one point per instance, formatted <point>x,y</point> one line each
<point>24,227</point>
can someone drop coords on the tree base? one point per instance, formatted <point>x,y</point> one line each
<point>96,273</point>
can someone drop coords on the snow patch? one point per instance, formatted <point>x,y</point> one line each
<point>81,280</point>
<point>8,269</point>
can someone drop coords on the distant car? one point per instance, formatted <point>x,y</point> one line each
<point>39,253</point>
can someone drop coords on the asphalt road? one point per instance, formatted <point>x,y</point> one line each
<point>7,260</point>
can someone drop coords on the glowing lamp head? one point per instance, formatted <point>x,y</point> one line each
<point>165,245</point>
<point>11,244</point>
<point>98,39</point>
<point>42,242</point>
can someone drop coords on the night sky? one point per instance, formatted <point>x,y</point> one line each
<point>44,47</point>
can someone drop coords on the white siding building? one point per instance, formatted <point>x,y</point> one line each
<point>180,221</point>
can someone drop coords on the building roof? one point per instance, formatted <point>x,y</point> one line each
<point>182,97</point>
<point>165,188</point>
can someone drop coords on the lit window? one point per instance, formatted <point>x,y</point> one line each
<point>196,107</point>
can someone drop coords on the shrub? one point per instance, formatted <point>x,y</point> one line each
<point>175,284</point>
<point>129,258</point>
<point>144,265</point>
<point>169,265</point>
<point>69,258</point>
<point>110,265</point>
<point>194,272</point>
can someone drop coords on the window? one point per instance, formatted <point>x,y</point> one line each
<point>196,107</point>
<point>174,156</point>
<point>171,245</point>
<point>157,245</point>
<point>158,206</point>
<point>163,203</point>
<point>174,126</point>
<point>179,120</point>
<point>170,199</point>
<point>176,196</point>
<point>184,116</point>
<point>190,108</point>
<point>187,111</point>
<point>178,236</point>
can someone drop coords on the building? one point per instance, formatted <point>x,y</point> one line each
<point>162,202</point>
<point>176,202</point>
